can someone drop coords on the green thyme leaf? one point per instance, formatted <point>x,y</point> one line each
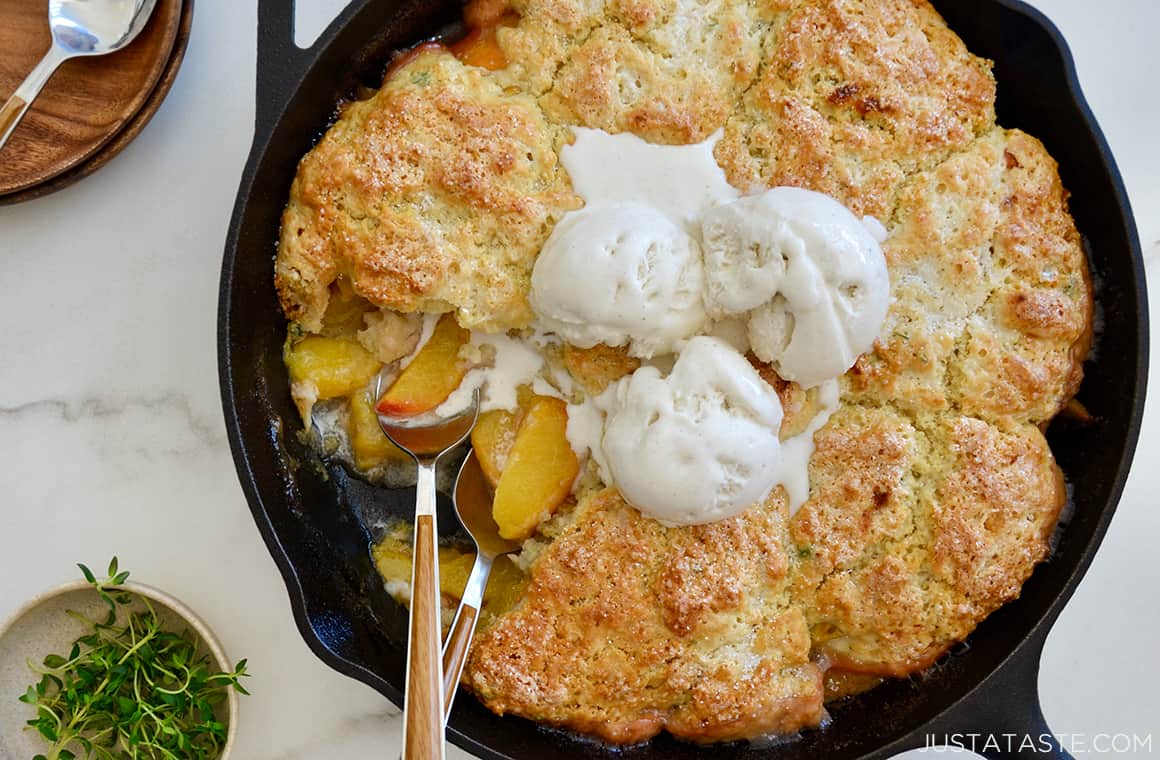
<point>129,688</point>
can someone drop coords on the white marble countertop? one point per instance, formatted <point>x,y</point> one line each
<point>112,439</point>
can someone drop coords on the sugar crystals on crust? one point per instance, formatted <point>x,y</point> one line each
<point>436,194</point>
<point>669,71</point>
<point>629,627</point>
<point>852,96</point>
<point>915,533</point>
<point>991,301</point>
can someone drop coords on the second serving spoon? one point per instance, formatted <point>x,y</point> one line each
<point>473,501</point>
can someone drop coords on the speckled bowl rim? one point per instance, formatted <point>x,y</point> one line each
<point>199,626</point>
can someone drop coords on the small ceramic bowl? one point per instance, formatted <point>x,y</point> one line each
<point>41,627</point>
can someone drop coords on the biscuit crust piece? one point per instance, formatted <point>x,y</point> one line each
<point>628,628</point>
<point>851,97</point>
<point>914,533</point>
<point>436,194</point>
<point>992,306</point>
<point>598,367</point>
<point>669,71</point>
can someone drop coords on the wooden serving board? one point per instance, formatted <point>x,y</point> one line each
<point>86,103</point>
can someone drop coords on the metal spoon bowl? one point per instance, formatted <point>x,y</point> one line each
<point>79,28</point>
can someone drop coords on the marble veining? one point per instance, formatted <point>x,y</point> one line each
<point>185,431</point>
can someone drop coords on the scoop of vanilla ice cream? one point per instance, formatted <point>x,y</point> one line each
<point>811,274</point>
<point>699,445</point>
<point>620,274</point>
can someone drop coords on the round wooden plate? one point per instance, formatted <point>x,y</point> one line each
<point>87,103</point>
<point>127,133</point>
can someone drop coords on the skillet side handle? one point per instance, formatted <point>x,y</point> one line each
<point>1003,718</point>
<point>281,63</point>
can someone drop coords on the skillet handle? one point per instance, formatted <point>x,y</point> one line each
<point>1002,718</point>
<point>281,63</point>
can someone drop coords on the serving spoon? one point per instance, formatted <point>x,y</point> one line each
<point>79,28</point>
<point>473,502</point>
<point>426,438</point>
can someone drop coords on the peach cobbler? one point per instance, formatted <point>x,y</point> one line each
<point>767,314</point>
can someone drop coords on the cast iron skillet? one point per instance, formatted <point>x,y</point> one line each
<point>317,522</point>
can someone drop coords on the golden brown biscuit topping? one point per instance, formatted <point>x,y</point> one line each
<point>436,195</point>
<point>629,627</point>
<point>933,493</point>
<point>851,97</point>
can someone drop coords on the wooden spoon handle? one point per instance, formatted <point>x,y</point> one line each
<point>423,703</point>
<point>13,110</point>
<point>10,113</point>
<point>455,653</point>
<point>423,700</point>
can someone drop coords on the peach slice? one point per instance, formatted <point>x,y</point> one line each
<point>393,560</point>
<point>369,446</point>
<point>505,587</point>
<point>539,471</point>
<point>345,310</point>
<point>480,48</point>
<point>495,432</point>
<point>492,439</point>
<point>454,567</point>
<point>432,375</point>
<point>335,366</point>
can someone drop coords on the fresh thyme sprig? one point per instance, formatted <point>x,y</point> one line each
<point>129,689</point>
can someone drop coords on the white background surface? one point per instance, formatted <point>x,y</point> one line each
<point>112,441</point>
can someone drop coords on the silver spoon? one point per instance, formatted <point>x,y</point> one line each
<point>79,28</point>
<point>426,438</point>
<point>473,500</point>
